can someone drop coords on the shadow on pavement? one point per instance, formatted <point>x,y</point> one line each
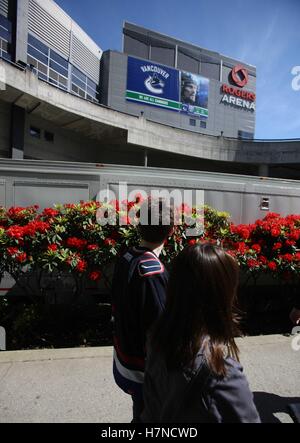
<point>270,404</point>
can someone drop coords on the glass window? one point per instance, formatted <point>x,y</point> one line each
<point>5,34</point>
<point>49,136</point>
<point>78,82</point>
<point>53,74</point>
<point>38,55</point>
<point>63,80</point>
<point>42,68</point>
<point>32,61</point>
<point>75,89</point>
<point>79,74</point>
<point>35,132</point>
<point>58,59</point>
<point>54,82</point>
<point>91,92</point>
<point>5,46</point>
<point>42,77</point>
<point>58,68</point>
<point>91,84</point>
<point>37,44</point>
<point>5,23</point>
<point>202,124</point>
<point>192,122</point>
<point>81,93</point>
<point>6,56</point>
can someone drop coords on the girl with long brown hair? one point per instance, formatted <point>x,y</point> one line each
<point>192,372</point>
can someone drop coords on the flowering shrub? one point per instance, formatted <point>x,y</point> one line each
<point>271,245</point>
<point>68,239</point>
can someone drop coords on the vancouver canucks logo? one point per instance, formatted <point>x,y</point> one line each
<point>154,84</point>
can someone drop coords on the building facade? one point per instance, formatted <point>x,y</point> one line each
<point>179,84</point>
<point>39,34</point>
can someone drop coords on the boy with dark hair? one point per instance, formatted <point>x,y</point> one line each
<point>138,298</point>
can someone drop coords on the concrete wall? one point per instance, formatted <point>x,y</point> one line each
<point>5,115</point>
<point>222,117</point>
<point>71,146</point>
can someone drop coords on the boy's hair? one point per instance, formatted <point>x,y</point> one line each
<point>159,221</point>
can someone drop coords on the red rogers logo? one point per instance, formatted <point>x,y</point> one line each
<point>239,75</point>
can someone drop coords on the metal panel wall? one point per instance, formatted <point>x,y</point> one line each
<point>2,193</point>
<point>47,193</point>
<point>85,60</point>
<point>46,183</point>
<point>50,30</point>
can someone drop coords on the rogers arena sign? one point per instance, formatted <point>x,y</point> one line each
<point>238,97</point>
<point>235,96</point>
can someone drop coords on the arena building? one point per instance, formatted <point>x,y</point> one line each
<point>159,103</point>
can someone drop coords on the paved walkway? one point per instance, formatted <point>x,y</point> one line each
<point>76,385</point>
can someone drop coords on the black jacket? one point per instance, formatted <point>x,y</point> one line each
<point>138,298</point>
<point>181,397</point>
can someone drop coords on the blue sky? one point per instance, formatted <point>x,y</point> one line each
<point>264,33</point>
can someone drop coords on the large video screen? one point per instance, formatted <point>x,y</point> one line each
<point>194,94</point>
<point>157,85</point>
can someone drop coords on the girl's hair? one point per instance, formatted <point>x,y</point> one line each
<point>199,312</point>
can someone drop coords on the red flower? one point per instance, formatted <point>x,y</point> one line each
<point>22,257</point>
<point>241,247</point>
<point>49,212</point>
<point>272,266</point>
<point>294,234</point>
<point>251,263</point>
<point>16,212</point>
<point>287,257</point>
<point>13,251</point>
<point>36,226</point>
<point>52,247</point>
<point>256,248</point>
<point>277,246</point>
<point>244,232</point>
<point>110,242</point>
<point>275,232</point>
<point>76,243</point>
<point>290,243</point>
<point>263,259</point>
<point>192,242</point>
<point>92,247</point>
<point>297,256</point>
<point>81,266</point>
<point>95,276</point>
<point>15,232</point>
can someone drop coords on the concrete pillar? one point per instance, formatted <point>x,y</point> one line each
<point>19,13</point>
<point>18,116</point>
<point>263,170</point>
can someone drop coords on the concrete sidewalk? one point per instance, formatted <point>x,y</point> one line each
<point>76,385</point>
